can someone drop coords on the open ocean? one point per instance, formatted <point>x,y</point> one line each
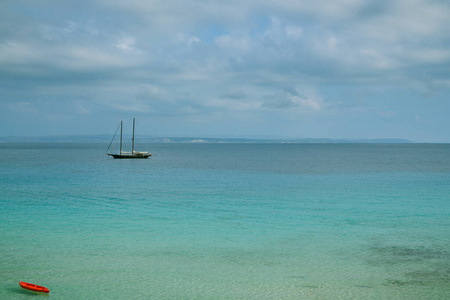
<point>226,221</point>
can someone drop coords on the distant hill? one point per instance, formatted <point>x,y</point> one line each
<point>149,139</point>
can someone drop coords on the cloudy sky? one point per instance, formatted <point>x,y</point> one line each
<point>236,68</point>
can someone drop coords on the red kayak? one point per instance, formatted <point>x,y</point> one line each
<point>34,287</point>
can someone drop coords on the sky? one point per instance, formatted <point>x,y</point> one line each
<point>352,69</point>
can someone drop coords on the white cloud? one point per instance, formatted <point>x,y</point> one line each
<point>376,60</point>
<point>293,101</point>
<point>151,92</point>
<point>88,58</point>
<point>126,43</point>
<point>83,109</point>
<point>429,55</point>
<point>23,107</point>
<point>234,104</point>
<point>71,27</point>
<point>233,44</point>
<point>17,52</point>
<point>332,43</point>
<point>129,105</point>
<point>82,29</point>
<point>188,39</point>
<point>293,32</point>
<point>308,103</point>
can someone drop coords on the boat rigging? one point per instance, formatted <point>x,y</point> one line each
<point>123,154</point>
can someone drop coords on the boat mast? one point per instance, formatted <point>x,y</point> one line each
<point>132,140</point>
<point>121,125</point>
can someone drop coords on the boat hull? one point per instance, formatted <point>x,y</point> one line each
<point>34,287</point>
<point>127,156</point>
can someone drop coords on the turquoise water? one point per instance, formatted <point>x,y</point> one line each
<point>226,221</point>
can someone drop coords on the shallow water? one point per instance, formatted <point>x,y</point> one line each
<point>226,221</point>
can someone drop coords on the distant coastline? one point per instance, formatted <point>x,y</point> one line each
<point>149,139</point>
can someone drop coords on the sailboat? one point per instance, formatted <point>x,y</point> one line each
<point>123,154</point>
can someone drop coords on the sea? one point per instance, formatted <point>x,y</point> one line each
<point>226,221</point>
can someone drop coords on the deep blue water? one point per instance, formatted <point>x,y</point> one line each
<point>226,221</point>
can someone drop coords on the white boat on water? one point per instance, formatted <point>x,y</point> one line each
<point>123,154</point>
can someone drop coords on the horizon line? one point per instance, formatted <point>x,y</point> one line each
<point>204,139</point>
